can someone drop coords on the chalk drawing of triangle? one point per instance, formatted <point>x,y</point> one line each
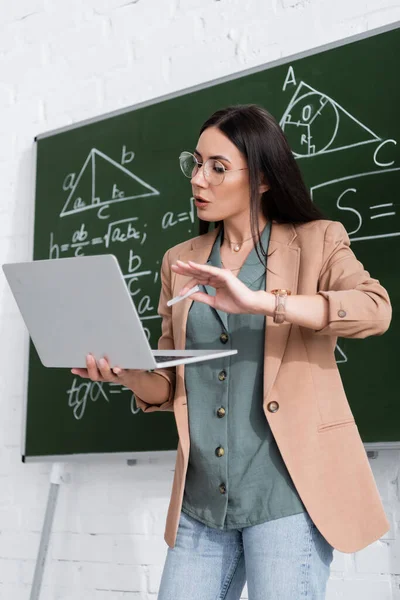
<point>103,181</point>
<point>340,355</point>
<point>345,130</point>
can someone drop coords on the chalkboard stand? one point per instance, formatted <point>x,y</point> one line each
<point>56,477</point>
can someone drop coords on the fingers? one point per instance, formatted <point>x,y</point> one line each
<point>188,286</point>
<point>202,297</point>
<point>105,370</point>
<point>100,371</point>
<point>92,369</point>
<point>204,274</point>
<point>185,269</point>
<point>198,269</point>
<point>80,372</point>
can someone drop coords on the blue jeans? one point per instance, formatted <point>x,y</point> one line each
<point>283,559</point>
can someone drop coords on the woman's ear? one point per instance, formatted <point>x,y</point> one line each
<point>264,186</point>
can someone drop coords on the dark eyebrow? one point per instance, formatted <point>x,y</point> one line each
<point>216,156</point>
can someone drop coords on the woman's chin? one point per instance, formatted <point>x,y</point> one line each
<point>205,216</point>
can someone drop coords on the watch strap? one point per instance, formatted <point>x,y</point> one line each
<point>280,304</point>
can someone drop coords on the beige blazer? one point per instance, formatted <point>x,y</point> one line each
<point>313,426</point>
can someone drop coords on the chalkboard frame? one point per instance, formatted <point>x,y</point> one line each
<point>369,446</point>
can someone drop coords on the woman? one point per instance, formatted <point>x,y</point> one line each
<point>271,473</point>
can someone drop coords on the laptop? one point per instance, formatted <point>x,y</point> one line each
<point>80,305</point>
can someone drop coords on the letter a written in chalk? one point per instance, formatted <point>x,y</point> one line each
<point>290,78</point>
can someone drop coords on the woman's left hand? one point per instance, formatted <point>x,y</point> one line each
<point>232,296</point>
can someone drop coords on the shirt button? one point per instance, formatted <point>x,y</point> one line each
<point>273,406</point>
<point>342,313</point>
<point>222,488</point>
<point>219,451</point>
<point>221,412</point>
<point>224,337</point>
<point>222,375</point>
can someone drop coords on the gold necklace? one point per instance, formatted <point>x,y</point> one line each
<point>237,245</point>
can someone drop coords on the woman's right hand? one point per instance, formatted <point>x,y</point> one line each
<point>101,371</point>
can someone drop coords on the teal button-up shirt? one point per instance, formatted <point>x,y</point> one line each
<point>236,476</point>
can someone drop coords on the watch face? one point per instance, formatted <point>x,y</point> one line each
<point>281,292</point>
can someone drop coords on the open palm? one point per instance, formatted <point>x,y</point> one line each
<point>232,296</point>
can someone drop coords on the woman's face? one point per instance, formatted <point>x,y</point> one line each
<point>232,196</point>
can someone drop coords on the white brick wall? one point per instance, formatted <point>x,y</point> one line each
<point>61,62</point>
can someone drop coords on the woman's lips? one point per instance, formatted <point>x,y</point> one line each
<point>200,203</point>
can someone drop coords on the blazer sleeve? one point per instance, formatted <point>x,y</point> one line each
<point>358,305</point>
<point>165,342</point>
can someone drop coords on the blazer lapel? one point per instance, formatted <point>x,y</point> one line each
<point>282,272</point>
<point>253,269</point>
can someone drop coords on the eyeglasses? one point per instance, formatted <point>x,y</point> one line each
<point>214,171</point>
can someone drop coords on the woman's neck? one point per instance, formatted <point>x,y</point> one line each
<point>237,230</point>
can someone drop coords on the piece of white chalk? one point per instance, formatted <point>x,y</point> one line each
<point>179,298</point>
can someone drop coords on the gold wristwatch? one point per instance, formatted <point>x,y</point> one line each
<point>280,304</point>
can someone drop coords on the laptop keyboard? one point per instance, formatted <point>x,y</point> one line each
<point>164,358</point>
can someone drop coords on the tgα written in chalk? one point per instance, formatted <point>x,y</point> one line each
<point>80,394</point>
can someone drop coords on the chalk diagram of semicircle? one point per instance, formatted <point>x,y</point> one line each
<point>100,172</point>
<point>316,124</point>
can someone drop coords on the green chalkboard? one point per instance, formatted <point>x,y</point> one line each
<point>113,185</point>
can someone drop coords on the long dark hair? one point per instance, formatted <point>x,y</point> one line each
<point>260,139</point>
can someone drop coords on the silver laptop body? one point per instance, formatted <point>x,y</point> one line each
<point>81,305</point>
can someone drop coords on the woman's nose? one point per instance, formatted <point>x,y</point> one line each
<point>199,179</point>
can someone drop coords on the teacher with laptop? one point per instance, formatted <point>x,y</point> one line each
<point>271,473</point>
